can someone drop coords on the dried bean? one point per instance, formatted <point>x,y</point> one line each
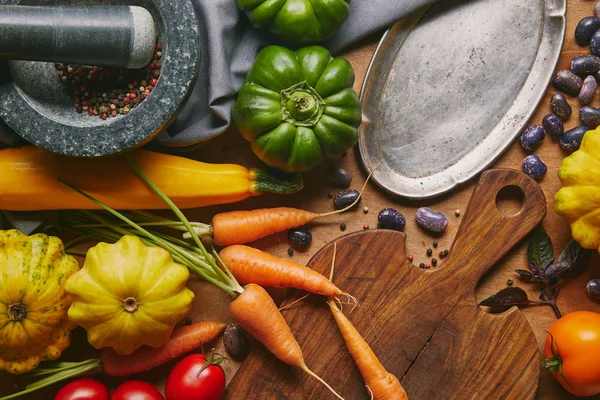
<point>571,140</point>
<point>588,90</point>
<point>585,29</point>
<point>431,220</point>
<point>567,82</point>
<point>236,342</point>
<point>344,198</point>
<point>593,289</point>
<point>597,10</point>
<point>553,125</point>
<point>532,137</point>
<point>339,177</point>
<point>299,237</point>
<point>390,218</point>
<point>589,116</point>
<point>585,64</point>
<point>595,44</point>
<point>560,106</point>
<point>534,167</point>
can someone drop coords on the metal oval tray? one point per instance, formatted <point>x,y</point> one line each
<point>449,89</point>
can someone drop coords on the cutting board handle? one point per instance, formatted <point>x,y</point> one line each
<point>485,234</point>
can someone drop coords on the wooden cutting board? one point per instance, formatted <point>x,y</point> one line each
<point>424,325</point>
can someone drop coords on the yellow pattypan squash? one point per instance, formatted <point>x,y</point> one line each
<point>33,303</point>
<point>579,199</point>
<point>128,294</point>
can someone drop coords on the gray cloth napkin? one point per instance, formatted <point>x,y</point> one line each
<point>229,47</point>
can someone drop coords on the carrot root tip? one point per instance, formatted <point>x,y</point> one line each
<point>370,391</point>
<point>317,377</point>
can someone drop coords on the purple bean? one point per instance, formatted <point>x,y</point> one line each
<point>597,10</point>
<point>585,64</point>
<point>534,167</point>
<point>431,221</point>
<point>585,29</point>
<point>595,44</point>
<point>553,125</point>
<point>532,137</point>
<point>345,198</point>
<point>588,90</point>
<point>560,106</point>
<point>339,177</point>
<point>390,218</point>
<point>568,82</point>
<point>593,286</point>
<point>571,140</point>
<point>589,116</point>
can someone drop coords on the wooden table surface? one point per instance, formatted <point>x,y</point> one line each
<point>230,147</point>
<point>573,297</point>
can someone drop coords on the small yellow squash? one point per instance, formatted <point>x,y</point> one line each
<point>33,303</point>
<point>128,294</point>
<point>579,199</point>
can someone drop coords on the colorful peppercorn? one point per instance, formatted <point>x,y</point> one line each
<point>108,90</point>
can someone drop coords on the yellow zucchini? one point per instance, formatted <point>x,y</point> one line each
<point>28,181</point>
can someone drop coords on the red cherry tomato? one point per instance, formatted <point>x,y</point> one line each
<point>83,389</point>
<point>186,382</point>
<point>136,390</point>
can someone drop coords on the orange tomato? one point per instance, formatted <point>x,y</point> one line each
<point>573,352</point>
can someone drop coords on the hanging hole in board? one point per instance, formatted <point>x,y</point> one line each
<point>510,200</point>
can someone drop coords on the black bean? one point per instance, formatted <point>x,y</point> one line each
<point>339,177</point>
<point>553,125</point>
<point>571,140</point>
<point>567,82</point>
<point>560,106</point>
<point>344,198</point>
<point>585,29</point>
<point>588,90</point>
<point>390,218</point>
<point>299,237</point>
<point>593,289</point>
<point>585,64</point>
<point>235,342</point>
<point>589,116</point>
<point>534,167</point>
<point>595,44</point>
<point>532,137</point>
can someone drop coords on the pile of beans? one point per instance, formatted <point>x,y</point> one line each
<point>581,81</point>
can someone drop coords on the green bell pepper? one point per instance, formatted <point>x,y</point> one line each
<point>297,21</point>
<point>298,108</point>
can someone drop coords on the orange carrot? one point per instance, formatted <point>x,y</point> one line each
<point>183,340</point>
<point>256,312</point>
<point>380,383</point>
<point>239,227</point>
<point>250,265</point>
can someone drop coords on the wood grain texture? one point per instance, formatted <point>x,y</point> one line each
<point>424,325</point>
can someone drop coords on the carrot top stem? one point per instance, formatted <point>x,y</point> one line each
<point>196,258</point>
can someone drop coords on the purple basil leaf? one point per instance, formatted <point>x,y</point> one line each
<point>539,250</point>
<point>525,275</point>
<point>506,298</point>
<point>578,257</point>
<point>557,269</point>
